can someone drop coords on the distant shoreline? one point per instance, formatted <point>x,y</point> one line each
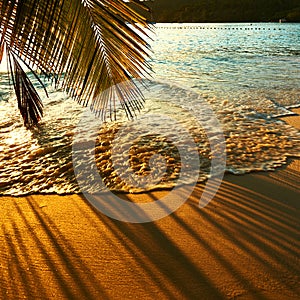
<point>202,11</point>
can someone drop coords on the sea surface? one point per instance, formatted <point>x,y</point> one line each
<point>248,74</point>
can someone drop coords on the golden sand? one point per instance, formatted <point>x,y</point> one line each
<point>244,245</point>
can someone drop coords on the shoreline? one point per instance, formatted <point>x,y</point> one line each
<point>245,244</point>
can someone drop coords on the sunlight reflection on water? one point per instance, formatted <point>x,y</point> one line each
<point>248,75</point>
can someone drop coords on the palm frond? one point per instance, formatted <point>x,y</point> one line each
<point>29,102</point>
<point>87,46</point>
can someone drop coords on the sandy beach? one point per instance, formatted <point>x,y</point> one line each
<point>244,245</point>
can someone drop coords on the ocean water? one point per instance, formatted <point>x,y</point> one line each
<point>249,74</point>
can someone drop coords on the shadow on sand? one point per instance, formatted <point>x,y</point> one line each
<point>243,245</point>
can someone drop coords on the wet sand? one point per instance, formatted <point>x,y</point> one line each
<point>245,244</point>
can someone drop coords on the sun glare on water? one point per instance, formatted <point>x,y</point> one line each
<point>3,65</point>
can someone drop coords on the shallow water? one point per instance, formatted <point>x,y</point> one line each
<point>248,73</point>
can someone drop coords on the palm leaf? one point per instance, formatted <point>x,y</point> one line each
<point>86,46</point>
<point>29,102</point>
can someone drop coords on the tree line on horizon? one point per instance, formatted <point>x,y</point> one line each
<point>224,10</point>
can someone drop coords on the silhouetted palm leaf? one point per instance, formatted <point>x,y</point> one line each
<point>86,46</point>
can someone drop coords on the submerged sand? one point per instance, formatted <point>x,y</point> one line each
<point>244,245</point>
